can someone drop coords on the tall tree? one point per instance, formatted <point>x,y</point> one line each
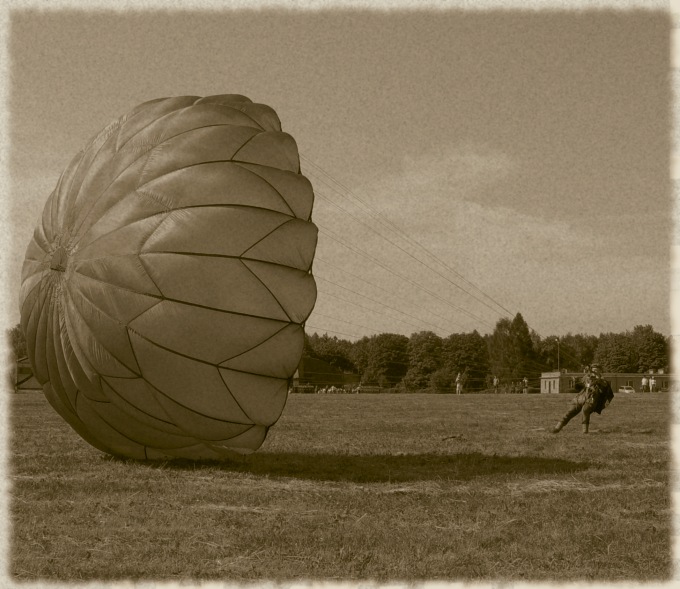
<point>360,352</point>
<point>640,350</point>
<point>334,350</point>
<point>17,341</point>
<point>527,363</point>
<point>550,354</point>
<point>511,350</point>
<point>616,353</point>
<point>383,357</point>
<point>424,358</point>
<point>652,348</point>
<point>466,353</point>
<point>499,344</point>
<point>577,350</point>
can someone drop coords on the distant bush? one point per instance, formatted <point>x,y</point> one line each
<point>392,390</point>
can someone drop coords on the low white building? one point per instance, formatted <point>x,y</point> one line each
<point>563,382</point>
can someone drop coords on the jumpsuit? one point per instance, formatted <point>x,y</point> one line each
<point>592,398</point>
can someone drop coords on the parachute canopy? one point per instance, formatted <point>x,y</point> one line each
<point>166,287</point>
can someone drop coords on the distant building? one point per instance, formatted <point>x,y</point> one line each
<point>562,382</point>
<point>312,371</point>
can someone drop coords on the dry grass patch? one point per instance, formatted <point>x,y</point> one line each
<point>360,487</point>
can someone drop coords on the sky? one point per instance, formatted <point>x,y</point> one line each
<point>468,164</point>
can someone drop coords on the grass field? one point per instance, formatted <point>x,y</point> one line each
<point>358,487</point>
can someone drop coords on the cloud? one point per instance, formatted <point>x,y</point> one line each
<point>465,168</point>
<point>438,198</point>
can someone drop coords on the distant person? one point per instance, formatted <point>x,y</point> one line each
<point>495,384</point>
<point>644,384</point>
<point>459,384</point>
<point>525,385</point>
<point>594,394</point>
<point>652,385</point>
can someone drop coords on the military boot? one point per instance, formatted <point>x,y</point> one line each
<point>559,426</point>
<point>585,428</point>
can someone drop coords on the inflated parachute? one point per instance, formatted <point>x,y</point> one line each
<point>166,287</point>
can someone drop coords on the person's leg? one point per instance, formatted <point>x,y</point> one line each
<point>585,421</point>
<point>573,412</point>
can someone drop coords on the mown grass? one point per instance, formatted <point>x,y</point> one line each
<point>358,487</point>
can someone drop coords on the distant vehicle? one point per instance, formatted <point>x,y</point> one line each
<point>626,389</point>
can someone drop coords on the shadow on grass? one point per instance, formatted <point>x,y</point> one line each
<point>380,468</point>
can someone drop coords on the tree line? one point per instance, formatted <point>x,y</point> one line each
<point>512,352</point>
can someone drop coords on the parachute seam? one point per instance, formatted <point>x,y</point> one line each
<point>43,262</point>
<point>183,208</point>
<point>156,389</point>
<point>290,319</point>
<point>233,397</point>
<point>64,339</point>
<point>101,195</point>
<point>242,166</point>
<point>47,293</point>
<point>179,425</point>
<point>143,264</point>
<point>106,134</point>
<point>132,347</point>
<point>151,122</point>
<point>42,241</point>
<point>250,372</point>
<point>138,408</point>
<point>67,202</point>
<point>153,155</point>
<point>159,298</point>
<point>99,342</point>
<point>53,205</point>
<point>261,178</point>
<point>39,286</point>
<point>154,196</point>
<point>265,236</point>
<point>231,160</point>
<point>199,360</point>
<point>185,131</point>
<point>54,312</point>
<point>115,429</point>
<point>134,161</point>
<point>246,114</point>
<point>127,117</point>
<point>84,248</point>
<point>225,256</point>
<point>220,106</point>
<point>176,352</point>
<point>171,300</point>
<point>253,347</point>
<point>233,155</point>
<point>73,339</point>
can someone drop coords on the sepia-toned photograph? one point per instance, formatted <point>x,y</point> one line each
<point>341,292</point>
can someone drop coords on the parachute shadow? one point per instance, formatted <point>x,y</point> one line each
<point>379,468</point>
